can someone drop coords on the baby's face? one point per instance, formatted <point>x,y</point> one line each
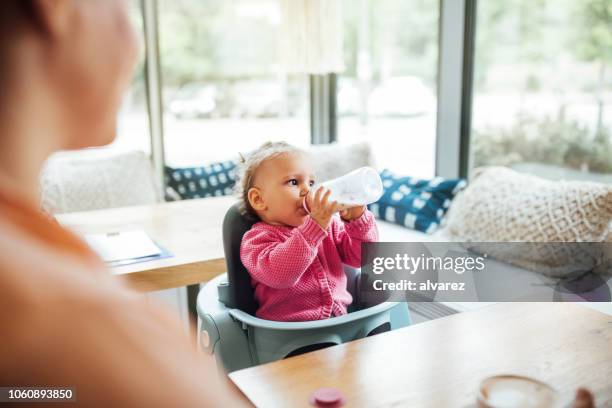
<point>283,182</point>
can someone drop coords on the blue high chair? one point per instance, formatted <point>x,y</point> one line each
<point>228,328</point>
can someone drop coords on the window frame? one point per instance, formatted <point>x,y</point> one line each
<point>455,78</point>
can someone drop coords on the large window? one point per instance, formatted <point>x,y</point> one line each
<point>542,87</point>
<point>387,95</point>
<point>224,87</point>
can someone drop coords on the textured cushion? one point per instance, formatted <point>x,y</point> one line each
<point>96,178</point>
<point>334,160</point>
<point>503,205</point>
<point>415,203</point>
<point>215,179</point>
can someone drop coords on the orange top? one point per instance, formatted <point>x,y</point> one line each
<point>66,322</point>
<point>42,226</point>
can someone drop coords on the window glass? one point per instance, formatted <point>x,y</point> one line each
<point>224,88</point>
<point>387,95</point>
<point>542,87</point>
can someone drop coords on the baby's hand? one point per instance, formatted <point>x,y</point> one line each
<point>320,209</point>
<point>352,213</point>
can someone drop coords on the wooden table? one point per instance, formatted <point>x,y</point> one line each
<point>190,229</point>
<point>440,363</point>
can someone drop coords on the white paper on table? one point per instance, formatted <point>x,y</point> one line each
<point>118,246</point>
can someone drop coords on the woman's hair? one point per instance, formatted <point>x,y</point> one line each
<point>15,15</point>
<point>12,13</point>
<point>248,167</point>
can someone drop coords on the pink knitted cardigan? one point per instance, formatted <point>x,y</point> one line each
<point>297,272</point>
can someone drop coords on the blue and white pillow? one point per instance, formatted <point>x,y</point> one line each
<point>415,203</point>
<point>215,179</point>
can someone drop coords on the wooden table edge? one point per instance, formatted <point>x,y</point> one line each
<point>579,308</point>
<point>168,277</point>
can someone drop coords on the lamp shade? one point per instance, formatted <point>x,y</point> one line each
<point>311,36</point>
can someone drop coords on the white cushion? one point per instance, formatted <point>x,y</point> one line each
<point>97,178</point>
<point>501,205</point>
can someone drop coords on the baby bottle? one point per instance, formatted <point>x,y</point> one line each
<point>359,187</point>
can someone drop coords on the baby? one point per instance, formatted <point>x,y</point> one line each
<point>295,258</point>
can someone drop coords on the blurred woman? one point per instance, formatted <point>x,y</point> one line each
<point>64,320</point>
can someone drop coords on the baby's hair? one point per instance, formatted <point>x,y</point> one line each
<point>248,166</point>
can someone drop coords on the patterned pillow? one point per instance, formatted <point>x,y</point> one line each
<point>414,203</point>
<point>215,179</point>
<point>502,205</point>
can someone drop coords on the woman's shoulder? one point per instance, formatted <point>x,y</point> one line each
<point>30,262</point>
